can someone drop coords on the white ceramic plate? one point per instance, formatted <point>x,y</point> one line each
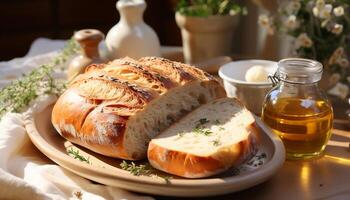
<point>107,170</point>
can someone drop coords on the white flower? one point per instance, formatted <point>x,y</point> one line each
<point>322,10</point>
<point>326,11</point>
<point>293,7</point>
<point>339,51</point>
<point>233,12</point>
<point>303,40</point>
<point>315,11</point>
<point>338,11</point>
<point>337,29</point>
<point>291,22</point>
<point>266,22</point>
<point>343,62</point>
<point>336,55</point>
<point>320,3</point>
<point>339,90</point>
<point>334,78</point>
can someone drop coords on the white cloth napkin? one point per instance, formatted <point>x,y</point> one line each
<point>25,173</point>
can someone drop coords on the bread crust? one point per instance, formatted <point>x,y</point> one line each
<point>96,108</point>
<point>195,166</point>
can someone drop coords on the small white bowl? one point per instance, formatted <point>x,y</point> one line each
<point>252,94</point>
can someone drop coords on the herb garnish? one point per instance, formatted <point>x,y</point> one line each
<point>134,169</point>
<point>236,171</point>
<point>76,155</point>
<point>181,134</point>
<point>167,179</point>
<point>201,122</point>
<point>216,142</point>
<point>142,169</point>
<point>221,128</point>
<point>17,95</point>
<point>205,132</point>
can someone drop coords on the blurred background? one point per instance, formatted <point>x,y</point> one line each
<point>22,21</point>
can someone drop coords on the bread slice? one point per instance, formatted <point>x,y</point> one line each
<point>115,109</point>
<point>209,140</point>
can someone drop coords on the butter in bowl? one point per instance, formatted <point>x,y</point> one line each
<point>248,81</point>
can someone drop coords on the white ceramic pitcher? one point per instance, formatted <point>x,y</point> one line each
<point>131,36</point>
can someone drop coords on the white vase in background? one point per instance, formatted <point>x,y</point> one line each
<point>131,36</point>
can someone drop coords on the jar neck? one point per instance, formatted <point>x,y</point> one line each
<point>298,90</point>
<point>299,71</point>
<point>287,83</point>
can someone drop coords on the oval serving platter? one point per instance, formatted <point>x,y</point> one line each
<point>107,170</point>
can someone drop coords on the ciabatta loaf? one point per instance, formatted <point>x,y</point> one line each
<point>115,109</point>
<point>209,140</point>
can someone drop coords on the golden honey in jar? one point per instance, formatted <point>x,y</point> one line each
<point>297,111</point>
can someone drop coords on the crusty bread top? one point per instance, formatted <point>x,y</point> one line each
<point>210,129</point>
<point>131,84</point>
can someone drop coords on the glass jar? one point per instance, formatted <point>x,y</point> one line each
<point>297,111</point>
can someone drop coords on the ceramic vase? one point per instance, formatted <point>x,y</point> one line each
<point>206,37</point>
<point>88,40</point>
<point>131,36</point>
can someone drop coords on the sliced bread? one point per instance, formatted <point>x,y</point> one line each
<point>214,137</point>
<point>116,108</point>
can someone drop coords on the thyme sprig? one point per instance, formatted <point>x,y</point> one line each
<point>134,169</point>
<point>216,142</point>
<point>76,155</point>
<point>19,93</point>
<point>142,169</point>
<point>201,131</point>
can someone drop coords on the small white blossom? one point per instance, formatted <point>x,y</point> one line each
<point>266,22</point>
<point>326,11</point>
<point>322,10</point>
<point>339,90</point>
<point>315,11</point>
<point>303,40</point>
<point>338,11</point>
<point>339,51</point>
<point>343,62</point>
<point>320,3</point>
<point>233,12</point>
<point>291,22</point>
<point>337,29</point>
<point>334,78</point>
<point>336,55</point>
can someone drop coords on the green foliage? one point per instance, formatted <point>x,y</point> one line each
<point>18,94</point>
<point>205,8</point>
<point>318,24</point>
<point>134,169</point>
<point>76,155</point>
